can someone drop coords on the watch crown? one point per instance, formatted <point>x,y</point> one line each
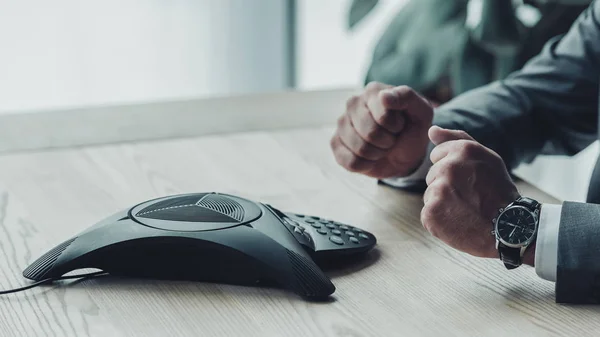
<point>494,220</point>
<point>493,233</point>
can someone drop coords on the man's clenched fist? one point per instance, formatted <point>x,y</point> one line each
<point>383,132</point>
<point>467,184</point>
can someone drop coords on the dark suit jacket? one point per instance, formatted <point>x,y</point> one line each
<point>550,106</point>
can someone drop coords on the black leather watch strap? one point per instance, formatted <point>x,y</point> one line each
<point>511,257</point>
<point>531,204</point>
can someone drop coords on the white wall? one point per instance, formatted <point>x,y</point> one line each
<point>81,52</point>
<point>329,55</point>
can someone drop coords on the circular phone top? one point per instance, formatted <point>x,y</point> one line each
<point>195,212</point>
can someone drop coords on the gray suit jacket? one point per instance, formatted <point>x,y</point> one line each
<point>550,106</point>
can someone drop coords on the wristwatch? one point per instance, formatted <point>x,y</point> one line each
<point>515,229</point>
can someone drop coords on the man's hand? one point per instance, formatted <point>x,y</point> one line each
<point>467,184</point>
<point>383,132</point>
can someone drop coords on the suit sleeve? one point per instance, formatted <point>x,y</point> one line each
<point>550,106</point>
<point>578,269</point>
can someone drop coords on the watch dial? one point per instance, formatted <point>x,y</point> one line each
<point>516,225</point>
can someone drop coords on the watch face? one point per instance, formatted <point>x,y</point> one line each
<point>516,226</point>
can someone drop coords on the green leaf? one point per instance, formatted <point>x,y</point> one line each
<point>358,10</point>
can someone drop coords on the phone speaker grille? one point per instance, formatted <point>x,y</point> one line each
<point>310,280</point>
<point>223,205</point>
<point>38,269</point>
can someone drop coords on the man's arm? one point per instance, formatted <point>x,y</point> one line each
<point>458,207</point>
<point>550,105</point>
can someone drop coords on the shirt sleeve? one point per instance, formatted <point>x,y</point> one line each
<point>546,249</point>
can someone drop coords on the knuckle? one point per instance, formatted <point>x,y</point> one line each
<point>440,190</point>
<point>372,133</point>
<point>363,148</point>
<point>339,160</point>
<point>352,102</point>
<point>452,172</point>
<point>433,230</point>
<point>406,92</point>
<point>428,220</point>
<point>333,144</point>
<point>373,86</point>
<point>445,191</point>
<point>354,164</point>
<point>425,216</point>
<point>468,148</point>
<point>341,120</point>
<point>384,118</point>
<point>497,158</point>
<point>462,133</point>
<point>445,171</point>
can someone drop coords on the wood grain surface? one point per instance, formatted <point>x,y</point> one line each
<point>410,285</point>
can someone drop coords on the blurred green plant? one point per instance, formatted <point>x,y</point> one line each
<point>359,9</point>
<point>436,47</point>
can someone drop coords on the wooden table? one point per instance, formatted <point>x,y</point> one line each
<point>411,285</point>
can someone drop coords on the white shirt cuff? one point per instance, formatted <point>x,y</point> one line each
<point>415,177</point>
<point>546,249</point>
